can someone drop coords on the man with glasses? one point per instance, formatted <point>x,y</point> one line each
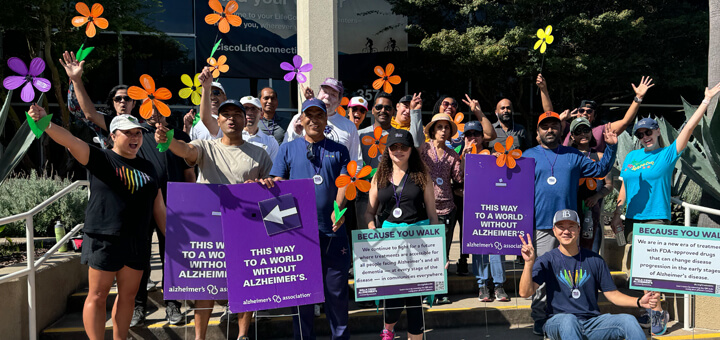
<point>271,123</point>
<point>200,131</point>
<point>506,127</point>
<point>252,133</point>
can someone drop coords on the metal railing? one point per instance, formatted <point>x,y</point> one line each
<point>688,307</point>
<point>31,263</point>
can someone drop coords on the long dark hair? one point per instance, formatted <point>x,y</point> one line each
<point>438,103</point>
<point>417,170</point>
<point>111,96</point>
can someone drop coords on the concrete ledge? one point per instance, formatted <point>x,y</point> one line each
<point>58,277</point>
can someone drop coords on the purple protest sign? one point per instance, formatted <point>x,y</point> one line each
<point>272,241</point>
<point>194,251</point>
<point>498,205</point>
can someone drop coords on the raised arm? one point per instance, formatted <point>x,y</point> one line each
<point>527,286</point>
<point>205,114</point>
<point>416,127</point>
<point>686,132</point>
<point>544,93</point>
<point>74,70</point>
<point>602,167</point>
<point>181,149</point>
<point>79,149</point>
<point>488,129</point>
<point>619,126</point>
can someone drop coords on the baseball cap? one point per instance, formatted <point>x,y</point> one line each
<point>334,84</point>
<point>473,125</point>
<point>591,103</point>
<point>406,98</point>
<point>124,122</point>
<point>358,101</point>
<point>314,102</point>
<point>230,102</point>
<point>579,121</point>
<point>566,215</point>
<point>218,85</point>
<point>251,100</point>
<point>646,123</point>
<point>400,136</point>
<point>548,115</point>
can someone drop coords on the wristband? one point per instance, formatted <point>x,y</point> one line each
<point>706,102</point>
<point>638,302</point>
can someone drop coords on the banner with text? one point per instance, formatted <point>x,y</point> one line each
<point>676,259</point>
<point>399,262</point>
<point>272,239</point>
<point>194,247</point>
<point>493,220</point>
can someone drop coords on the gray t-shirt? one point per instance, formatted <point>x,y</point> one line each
<point>521,138</point>
<point>224,164</point>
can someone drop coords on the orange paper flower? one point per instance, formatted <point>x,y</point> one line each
<point>590,182</point>
<point>150,97</point>
<point>91,17</point>
<point>377,143</point>
<point>218,65</point>
<point>353,180</point>
<point>484,152</point>
<point>459,117</point>
<point>341,109</point>
<point>223,18</point>
<point>507,156</point>
<point>386,78</point>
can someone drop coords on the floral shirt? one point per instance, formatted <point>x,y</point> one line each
<point>442,170</point>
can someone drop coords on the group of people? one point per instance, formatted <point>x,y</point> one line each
<point>419,180</point>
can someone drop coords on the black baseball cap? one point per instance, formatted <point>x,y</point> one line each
<point>400,136</point>
<point>230,102</point>
<point>591,103</point>
<point>406,98</point>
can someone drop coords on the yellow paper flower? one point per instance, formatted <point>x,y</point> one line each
<point>192,90</point>
<point>545,38</point>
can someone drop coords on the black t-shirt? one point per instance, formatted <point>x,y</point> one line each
<point>122,193</point>
<point>168,166</point>
<point>412,203</point>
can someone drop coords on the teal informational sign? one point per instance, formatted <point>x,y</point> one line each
<point>399,262</point>
<point>675,259</point>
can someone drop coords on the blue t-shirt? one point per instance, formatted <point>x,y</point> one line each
<point>558,271</point>
<point>570,166</point>
<point>291,162</point>
<point>647,178</point>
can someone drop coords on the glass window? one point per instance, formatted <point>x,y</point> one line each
<point>174,16</point>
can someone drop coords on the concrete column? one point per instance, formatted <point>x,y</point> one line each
<point>317,39</point>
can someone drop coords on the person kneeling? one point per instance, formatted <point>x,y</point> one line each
<point>573,276</point>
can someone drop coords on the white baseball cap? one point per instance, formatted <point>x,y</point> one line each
<point>358,101</point>
<point>251,100</point>
<point>218,85</point>
<point>124,122</point>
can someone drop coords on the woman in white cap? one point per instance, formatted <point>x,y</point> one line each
<point>401,195</point>
<point>124,197</point>
<point>445,167</point>
<point>646,175</point>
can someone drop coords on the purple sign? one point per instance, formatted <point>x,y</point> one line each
<point>272,239</point>
<point>498,205</point>
<point>194,249</point>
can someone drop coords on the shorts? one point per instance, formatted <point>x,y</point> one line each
<point>111,253</point>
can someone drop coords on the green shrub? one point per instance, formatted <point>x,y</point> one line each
<point>22,193</point>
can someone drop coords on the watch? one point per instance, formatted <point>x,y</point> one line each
<point>637,100</point>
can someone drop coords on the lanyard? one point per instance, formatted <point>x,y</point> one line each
<point>270,130</point>
<point>552,165</point>
<point>397,190</point>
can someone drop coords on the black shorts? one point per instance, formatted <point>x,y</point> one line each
<point>111,253</point>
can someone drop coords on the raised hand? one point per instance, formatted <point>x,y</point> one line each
<point>160,133</point>
<point>188,120</point>
<point>307,92</point>
<point>540,82</point>
<point>569,115</point>
<point>468,147</point>
<point>336,224</point>
<point>36,112</point>
<point>205,77</point>
<point>645,84</point>
<point>73,68</point>
<point>610,135</point>
<point>416,103</point>
<point>527,251</point>
<point>472,103</point>
<point>710,93</point>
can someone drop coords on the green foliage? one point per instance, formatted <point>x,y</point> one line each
<point>701,161</point>
<point>11,155</point>
<point>22,193</point>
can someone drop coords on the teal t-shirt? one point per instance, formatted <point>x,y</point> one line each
<point>647,178</point>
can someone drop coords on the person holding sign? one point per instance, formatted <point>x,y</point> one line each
<point>322,159</point>
<point>124,197</point>
<point>401,194</point>
<point>573,276</point>
<point>646,175</point>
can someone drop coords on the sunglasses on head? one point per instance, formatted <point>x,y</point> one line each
<point>118,99</point>
<point>473,133</point>
<point>453,104</point>
<point>396,147</point>
<point>641,134</point>
<point>380,107</point>
<point>582,130</point>
<point>584,110</point>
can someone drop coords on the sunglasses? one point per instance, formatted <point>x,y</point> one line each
<point>396,147</point>
<point>216,92</point>
<point>453,104</point>
<point>473,133</point>
<point>640,134</point>
<point>588,111</point>
<point>118,99</point>
<point>310,154</point>
<point>583,130</point>
<point>380,107</point>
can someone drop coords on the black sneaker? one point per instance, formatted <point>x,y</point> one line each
<point>172,314</point>
<point>138,318</point>
<point>484,295</point>
<point>538,327</point>
<point>462,268</point>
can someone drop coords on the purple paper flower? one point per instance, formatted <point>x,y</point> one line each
<point>30,77</point>
<point>296,69</point>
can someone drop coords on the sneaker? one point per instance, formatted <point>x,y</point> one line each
<point>138,318</point>
<point>316,310</point>
<point>659,322</point>
<point>462,268</point>
<point>538,327</point>
<point>387,335</point>
<point>644,319</point>
<point>484,295</point>
<point>443,301</point>
<point>244,337</point>
<point>151,285</point>
<point>172,314</point>
<point>425,301</point>
<point>500,294</point>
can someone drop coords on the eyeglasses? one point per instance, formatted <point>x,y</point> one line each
<point>380,107</point>
<point>396,147</point>
<point>472,133</point>
<point>582,130</point>
<point>216,92</point>
<point>453,104</point>
<point>588,111</point>
<point>118,99</point>
<point>641,134</point>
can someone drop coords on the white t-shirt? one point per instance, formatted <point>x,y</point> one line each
<point>339,129</point>
<point>200,132</point>
<point>268,143</point>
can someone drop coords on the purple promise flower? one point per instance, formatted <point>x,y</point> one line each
<point>296,69</point>
<point>37,66</point>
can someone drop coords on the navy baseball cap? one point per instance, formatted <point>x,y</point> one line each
<point>646,123</point>
<point>314,102</point>
<point>406,98</point>
<point>591,103</point>
<point>473,125</point>
<point>230,102</point>
<point>566,215</point>
<point>400,136</point>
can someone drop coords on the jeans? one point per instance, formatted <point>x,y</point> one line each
<point>605,326</point>
<point>481,264</point>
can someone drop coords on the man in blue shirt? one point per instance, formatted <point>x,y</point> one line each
<point>323,160</point>
<point>573,276</point>
<point>558,170</point>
